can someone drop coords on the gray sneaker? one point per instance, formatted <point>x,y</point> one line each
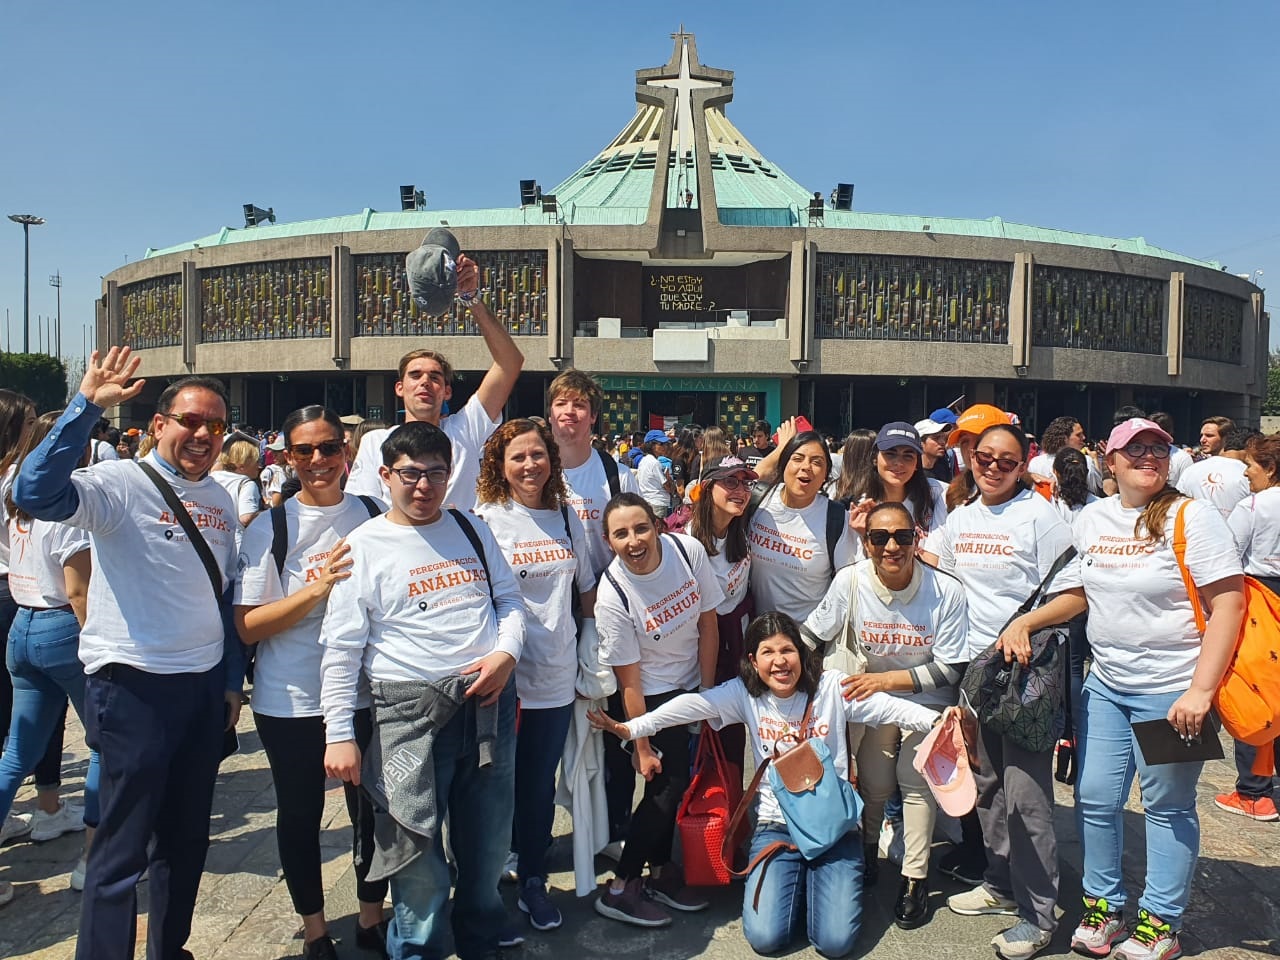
<point>1021,941</point>
<point>980,901</point>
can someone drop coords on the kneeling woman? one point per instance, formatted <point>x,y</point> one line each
<point>777,682</point>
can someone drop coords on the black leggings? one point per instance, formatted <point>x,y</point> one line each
<point>295,750</point>
<point>653,824</point>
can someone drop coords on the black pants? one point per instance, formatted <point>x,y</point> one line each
<point>653,824</point>
<point>159,737</point>
<point>295,751</point>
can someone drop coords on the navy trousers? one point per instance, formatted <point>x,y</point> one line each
<point>160,741</point>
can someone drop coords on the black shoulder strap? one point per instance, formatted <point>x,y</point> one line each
<point>469,529</point>
<point>564,514</point>
<point>758,493</point>
<point>189,528</point>
<point>683,553</point>
<point>836,519</point>
<point>370,504</point>
<point>610,471</point>
<point>279,537</point>
<point>1054,570</point>
<point>617,587</point>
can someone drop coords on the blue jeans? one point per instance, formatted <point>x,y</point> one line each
<point>1247,783</point>
<point>478,801</point>
<point>826,893</point>
<point>539,746</point>
<point>1108,755</point>
<point>43,660</point>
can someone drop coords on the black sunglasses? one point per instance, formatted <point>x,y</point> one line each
<point>903,538</point>
<point>327,448</point>
<point>1003,464</point>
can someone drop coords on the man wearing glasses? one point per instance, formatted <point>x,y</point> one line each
<point>433,618</point>
<point>425,383</point>
<point>159,692</point>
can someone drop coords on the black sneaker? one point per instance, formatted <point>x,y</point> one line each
<point>967,866</point>
<point>912,908</point>
<point>373,939</point>
<point>321,948</point>
<point>871,866</point>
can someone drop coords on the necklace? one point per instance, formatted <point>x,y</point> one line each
<point>790,718</point>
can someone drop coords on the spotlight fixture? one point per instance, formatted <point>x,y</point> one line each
<point>411,198</point>
<point>254,215</point>
<point>530,193</point>
<point>843,196</point>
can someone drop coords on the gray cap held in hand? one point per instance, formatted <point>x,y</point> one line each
<point>432,270</point>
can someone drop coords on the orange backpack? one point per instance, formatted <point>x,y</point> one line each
<point>1248,699</point>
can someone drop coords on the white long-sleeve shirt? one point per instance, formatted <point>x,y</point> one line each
<point>416,607</point>
<point>769,719</point>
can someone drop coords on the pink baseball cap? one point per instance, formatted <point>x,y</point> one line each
<point>943,760</point>
<point>1125,432</point>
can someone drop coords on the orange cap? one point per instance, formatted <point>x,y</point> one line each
<point>976,419</point>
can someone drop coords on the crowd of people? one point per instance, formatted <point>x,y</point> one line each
<point>468,621</point>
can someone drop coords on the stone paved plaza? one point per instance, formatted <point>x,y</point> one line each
<point>245,913</point>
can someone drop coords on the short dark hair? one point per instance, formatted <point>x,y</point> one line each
<point>1057,433</point>
<point>1237,438</point>
<point>770,625</point>
<point>890,506</point>
<point>1162,420</point>
<point>761,426</point>
<point>212,384</point>
<point>1127,412</point>
<point>628,499</point>
<point>416,440</point>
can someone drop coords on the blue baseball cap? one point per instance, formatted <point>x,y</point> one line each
<point>656,436</point>
<point>944,415</point>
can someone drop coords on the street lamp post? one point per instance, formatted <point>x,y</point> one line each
<point>28,220</point>
<point>56,282</point>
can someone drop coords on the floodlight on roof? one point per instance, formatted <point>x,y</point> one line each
<point>411,198</point>
<point>254,215</point>
<point>817,209</point>
<point>844,196</point>
<point>530,193</point>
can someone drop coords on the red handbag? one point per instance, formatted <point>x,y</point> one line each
<point>703,816</point>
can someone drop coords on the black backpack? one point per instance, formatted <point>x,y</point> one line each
<point>280,533</point>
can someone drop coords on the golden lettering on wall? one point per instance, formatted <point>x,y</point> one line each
<point>680,292</point>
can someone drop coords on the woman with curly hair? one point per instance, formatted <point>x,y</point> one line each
<point>521,496</point>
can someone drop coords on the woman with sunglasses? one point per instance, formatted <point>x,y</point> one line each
<point>49,578</point>
<point>911,622</point>
<point>719,523</point>
<point>798,536</point>
<point>1001,545</point>
<point>280,601</point>
<point>1150,662</point>
<point>778,679</point>
<point>656,615</point>
<point>522,496</point>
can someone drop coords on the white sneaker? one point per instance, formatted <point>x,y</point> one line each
<point>49,826</point>
<point>1022,941</point>
<point>15,827</point>
<point>979,902</point>
<point>77,875</point>
<point>509,872</point>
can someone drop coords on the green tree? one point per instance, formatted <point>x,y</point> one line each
<point>1271,407</point>
<point>39,376</point>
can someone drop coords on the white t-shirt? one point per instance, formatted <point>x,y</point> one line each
<point>658,628</point>
<point>467,430</point>
<point>769,719</point>
<point>1069,513</point>
<point>103,450</point>
<point>40,549</point>
<point>5,483</point>
<point>150,604</point>
<point>1220,480</point>
<point>548,561</point>
<point>900,630</point>
<point>1179,460</point>
<point>1255,523</point>
<point>588,489</point>
<point>272,478</point>
<point>286,677</point>
<point>789,567</point>
<point>416,607</point>
<point>244,492</point>
<point>734,578</point>
<point>1042,465</point>
<point>1001,554</point>
<point>938,498</point>
<point>1141,624</point>
<point>651,479</point>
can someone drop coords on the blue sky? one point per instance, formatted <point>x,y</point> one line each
<point>147,123</point>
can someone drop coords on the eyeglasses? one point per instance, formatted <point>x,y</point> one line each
<point>193,422</point>
<point>1003,464</point>
<point>903,538</point>
<point>327,448</point>
<point>1135,450</point>
<point>412,476</point>
<point>734,483</point>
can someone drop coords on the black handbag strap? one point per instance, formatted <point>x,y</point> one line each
<point>1067,556</point>
<point>188,527</point>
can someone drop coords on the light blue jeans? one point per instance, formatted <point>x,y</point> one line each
<point>479,802</point>
<point>43,659</point>
<point>825,893</point>
<point>1108,754</point>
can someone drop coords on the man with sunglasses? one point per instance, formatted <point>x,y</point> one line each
<point>425,384</point>
<point>161,683</point>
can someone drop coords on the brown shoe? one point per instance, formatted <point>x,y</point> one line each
<point>668,888</point>
<point>632,906</point>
